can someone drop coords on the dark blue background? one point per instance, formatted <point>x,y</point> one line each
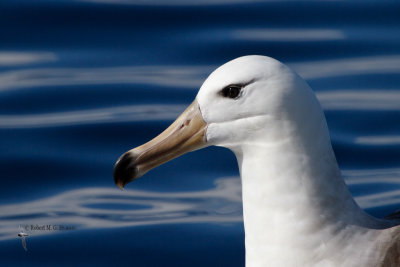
<point>83,81</point>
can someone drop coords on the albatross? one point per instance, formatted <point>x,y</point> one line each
<point>297,208</point>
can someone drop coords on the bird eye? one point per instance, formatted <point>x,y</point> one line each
<point>231,91</point>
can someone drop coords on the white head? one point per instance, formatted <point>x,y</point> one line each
<point>291,185</point>
<point>273,103</point>
<point>251,100</point>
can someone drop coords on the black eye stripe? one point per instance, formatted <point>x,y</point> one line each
<point>231,91</point>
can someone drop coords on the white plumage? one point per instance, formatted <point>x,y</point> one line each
<point>297,209</point>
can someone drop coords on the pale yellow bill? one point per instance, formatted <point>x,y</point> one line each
<point>187,133</point>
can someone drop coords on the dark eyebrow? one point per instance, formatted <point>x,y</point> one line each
<point>241,85</point>
<point>225,92</point>
<point>249,82</point>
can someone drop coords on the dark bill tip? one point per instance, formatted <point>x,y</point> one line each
<point>125,170</point>
<point>185,134</point>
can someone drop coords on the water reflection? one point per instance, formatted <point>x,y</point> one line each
<point>132,113</point>
<point>378,140</point>
<point>178,76</point>
<point>174,76</point>
<point>288,35</point>
<point>184,77</point>
<point>109,207</point>
<point>181,76</point>
<point>12,59</point>
<point>385,178</point>
<point>92,208</point>
<point>377,100</point>
<point>373,99</point>
<point>348,66</point>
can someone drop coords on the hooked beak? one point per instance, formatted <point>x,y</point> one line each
<point>187,133</point>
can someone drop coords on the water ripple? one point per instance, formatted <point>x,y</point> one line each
<point>92,208</point>
<point>372,99</point>
<point>11,58</point>
<point>348,66</point>
<point>377,100</point>
<point>108,207</point>
<point>375,178</point>
<point>132,113</point>
<point>176,76</point>
<point>288,35</point>
<point>184,76</point>
<point>378,140</point>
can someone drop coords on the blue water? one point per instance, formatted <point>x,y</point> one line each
<point>83,81</point>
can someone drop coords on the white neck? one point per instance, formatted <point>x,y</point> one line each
<point>295,202</point>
